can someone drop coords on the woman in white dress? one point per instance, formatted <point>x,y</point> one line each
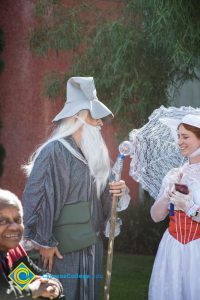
<point>176,270</point>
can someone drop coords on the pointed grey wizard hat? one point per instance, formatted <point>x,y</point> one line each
<point>81,94</point>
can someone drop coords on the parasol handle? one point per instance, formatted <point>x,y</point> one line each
<point>171,209</point>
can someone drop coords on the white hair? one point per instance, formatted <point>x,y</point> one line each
<point>8,199</point>
<point>91,144</point>
<point>65,127</point>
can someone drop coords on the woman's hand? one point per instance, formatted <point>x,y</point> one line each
<point>118,188</point>
<point>47,256</point>
<point>181,201</point>
<point>185,203</point>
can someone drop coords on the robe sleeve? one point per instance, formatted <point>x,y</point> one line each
<point>106,199</point>
<point>107,204</point>
<point>45,193</point>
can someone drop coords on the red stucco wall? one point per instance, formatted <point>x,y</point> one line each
<point>25,113</point>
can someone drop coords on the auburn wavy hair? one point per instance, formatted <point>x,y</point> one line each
<point>194,129</point>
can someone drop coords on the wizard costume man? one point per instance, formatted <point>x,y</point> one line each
<point>67,199</point>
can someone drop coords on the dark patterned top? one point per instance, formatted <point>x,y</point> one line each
<point>8,262</point>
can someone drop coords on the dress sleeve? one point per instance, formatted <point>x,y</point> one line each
<point>107,204</point>
<point>124,200</point>
<point>159,209</point>
<point>195,198</point>
<point>173,176</point>
<point>45,194</point>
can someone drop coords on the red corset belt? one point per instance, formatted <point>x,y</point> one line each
<point>183,228</point>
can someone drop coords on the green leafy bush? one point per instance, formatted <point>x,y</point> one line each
<point>57,28</point>
<point>135,56</point>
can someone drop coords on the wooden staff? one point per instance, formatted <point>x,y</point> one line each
<point>110,248</point>
<point>124,149</point>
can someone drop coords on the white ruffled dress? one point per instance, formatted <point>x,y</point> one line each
<point>176,270</point>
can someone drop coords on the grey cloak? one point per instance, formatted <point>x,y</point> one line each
<point>58,177</point>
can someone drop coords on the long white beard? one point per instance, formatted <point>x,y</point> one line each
<point>96,153</point>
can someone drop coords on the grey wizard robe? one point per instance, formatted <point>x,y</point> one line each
<point>58,177</point>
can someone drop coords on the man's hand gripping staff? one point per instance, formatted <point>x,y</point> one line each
<point>117,188</point>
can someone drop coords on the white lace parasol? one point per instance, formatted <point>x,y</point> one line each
<point>154,147</point>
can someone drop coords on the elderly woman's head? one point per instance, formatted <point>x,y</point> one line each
<point>11,223</point>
